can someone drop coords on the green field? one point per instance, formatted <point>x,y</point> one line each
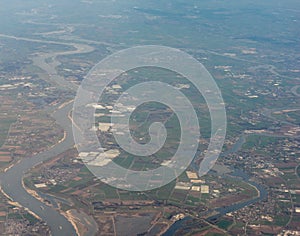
<point>4,128</point>
<point>259,142</point>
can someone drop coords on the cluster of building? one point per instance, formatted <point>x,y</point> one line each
<point>194,184</point>
<point>23,226</point>
<point>54,176</point>
<point>99,158</point>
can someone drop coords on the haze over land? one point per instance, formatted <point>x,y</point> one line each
<point>252,50</point>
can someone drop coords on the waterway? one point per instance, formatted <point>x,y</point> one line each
<point>235,173</point>
<point>11,181</point>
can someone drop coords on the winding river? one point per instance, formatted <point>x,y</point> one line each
<point>236,173</point>
<point>11,181</point>
<point>262,193</point>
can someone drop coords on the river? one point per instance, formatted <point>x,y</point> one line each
<point>11,181</point>
<point>236,173</point>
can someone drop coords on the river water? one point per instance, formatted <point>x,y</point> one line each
<point>236,173</point>
<point>11,180</point>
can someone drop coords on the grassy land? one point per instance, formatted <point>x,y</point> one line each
<point>4,128</point>
<point>224,224</point>
<point>259,141</point>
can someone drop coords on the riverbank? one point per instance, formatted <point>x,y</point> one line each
<point>12,178</point>
<point>12,184</point>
